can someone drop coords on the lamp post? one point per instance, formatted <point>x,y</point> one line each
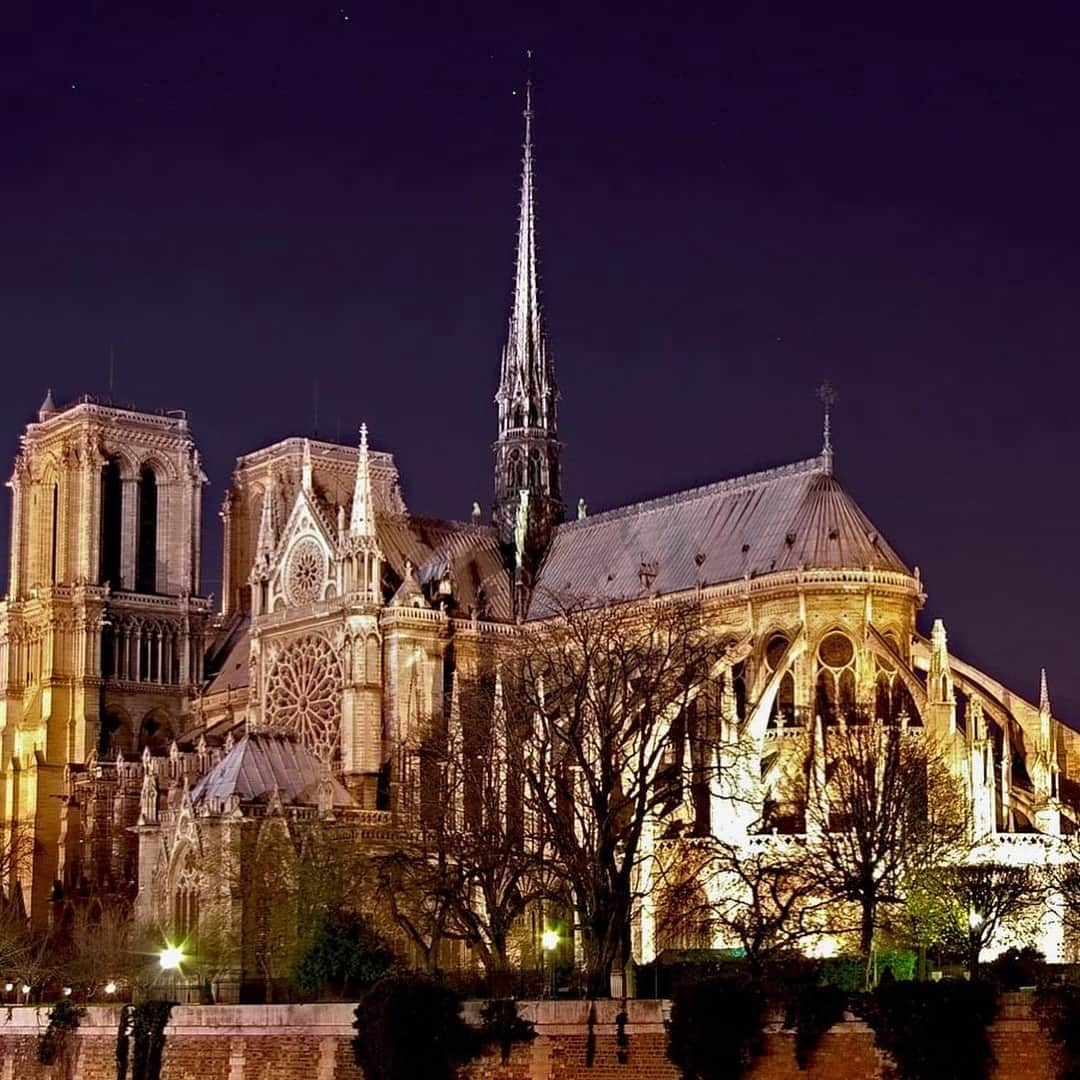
<point>549,942</point>
<point>169,960</point>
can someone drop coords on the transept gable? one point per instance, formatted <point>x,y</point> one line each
<point>304,555</point>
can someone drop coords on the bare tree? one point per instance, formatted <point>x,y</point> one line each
<point>985,896</point>
<point>881,802</point>
<point>762,896</point>
<point>593,695</point>
<point>103,949</point>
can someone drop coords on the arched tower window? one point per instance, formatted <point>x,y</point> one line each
<point>112,502</point>
<point>146,548</point>
<point>114,735</point>
<point>515,472</point>
<point>535,469</point>
<point>55,531</point>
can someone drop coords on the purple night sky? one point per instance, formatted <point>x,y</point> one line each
<point>245,204</point>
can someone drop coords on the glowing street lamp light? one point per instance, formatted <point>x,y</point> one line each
<point>9,986</point>
<point>549,939</point>
<point>67,991</point>
<point>170,958</point>
<point>110,987</point>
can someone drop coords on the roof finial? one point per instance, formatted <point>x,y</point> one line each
<point>1044,693</point>
<point>362,521</point>
<point>828,397</point>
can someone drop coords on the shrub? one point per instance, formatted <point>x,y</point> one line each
<point>716,1027</point>
<point>148,1020</point>
<point>502,1026</point>
<point>1018,967</point>
<point>1058,1011</point>
<point>934,1031</point>
<point>341,954</point>
<point>409,1028</point>
<point>53,1043</point>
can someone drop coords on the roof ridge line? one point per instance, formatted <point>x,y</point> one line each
<point>717,487</point>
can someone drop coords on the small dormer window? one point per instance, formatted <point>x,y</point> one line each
<point>647,574</point>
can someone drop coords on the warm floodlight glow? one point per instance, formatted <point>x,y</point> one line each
<point>550,940</point>
<point>975,920</point>
<point>110,987</point>
<point>170,958</point>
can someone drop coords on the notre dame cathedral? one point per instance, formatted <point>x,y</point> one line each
<point>144,731</point>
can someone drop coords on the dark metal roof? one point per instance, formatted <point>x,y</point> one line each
<point>228,658</point>
<point>261,763</point>
<point>796,516</point>
<point>471,552</point>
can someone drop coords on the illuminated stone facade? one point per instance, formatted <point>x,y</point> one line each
<point>145,743</point>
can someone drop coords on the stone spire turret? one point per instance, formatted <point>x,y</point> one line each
<point>362,520</point>
<point>527,450</point>
<point>306,470</point>
<point>267,539</point>
<point>48,407</point>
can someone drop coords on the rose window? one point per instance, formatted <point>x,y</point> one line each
<point>306,572</point>
<point>303,695</point>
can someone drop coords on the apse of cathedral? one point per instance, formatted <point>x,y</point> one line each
<point>147,734</point>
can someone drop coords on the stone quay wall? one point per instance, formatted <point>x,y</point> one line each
<point>312,1042</point>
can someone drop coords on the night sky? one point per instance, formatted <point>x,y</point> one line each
<point>243,205</point>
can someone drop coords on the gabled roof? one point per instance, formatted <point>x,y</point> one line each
<point>796,516</point>
<point>261,763</point>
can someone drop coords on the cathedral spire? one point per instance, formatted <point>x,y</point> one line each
<point>527,450</point>
<point>362,521</point>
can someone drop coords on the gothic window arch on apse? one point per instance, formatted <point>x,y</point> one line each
<point>835,687</point>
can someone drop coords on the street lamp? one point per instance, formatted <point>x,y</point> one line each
<point>170,958</point>
<point>549,941</point>
<point>110,987</point>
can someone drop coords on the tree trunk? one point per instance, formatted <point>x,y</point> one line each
<point>869,920</point>
<point>974,948</point>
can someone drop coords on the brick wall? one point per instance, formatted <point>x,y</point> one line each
<point>312,1042</point>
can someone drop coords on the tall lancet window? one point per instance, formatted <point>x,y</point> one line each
<point>55,528</point>
<point>146,549</point>
<point>112,503</point>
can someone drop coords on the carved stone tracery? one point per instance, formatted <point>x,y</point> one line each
<point>303,695</point>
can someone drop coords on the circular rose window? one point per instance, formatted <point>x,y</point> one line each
<point>836,650</point>
<point>306,571</point>
<point>303,695</point>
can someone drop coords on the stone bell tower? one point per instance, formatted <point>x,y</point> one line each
<point>101,631</point>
